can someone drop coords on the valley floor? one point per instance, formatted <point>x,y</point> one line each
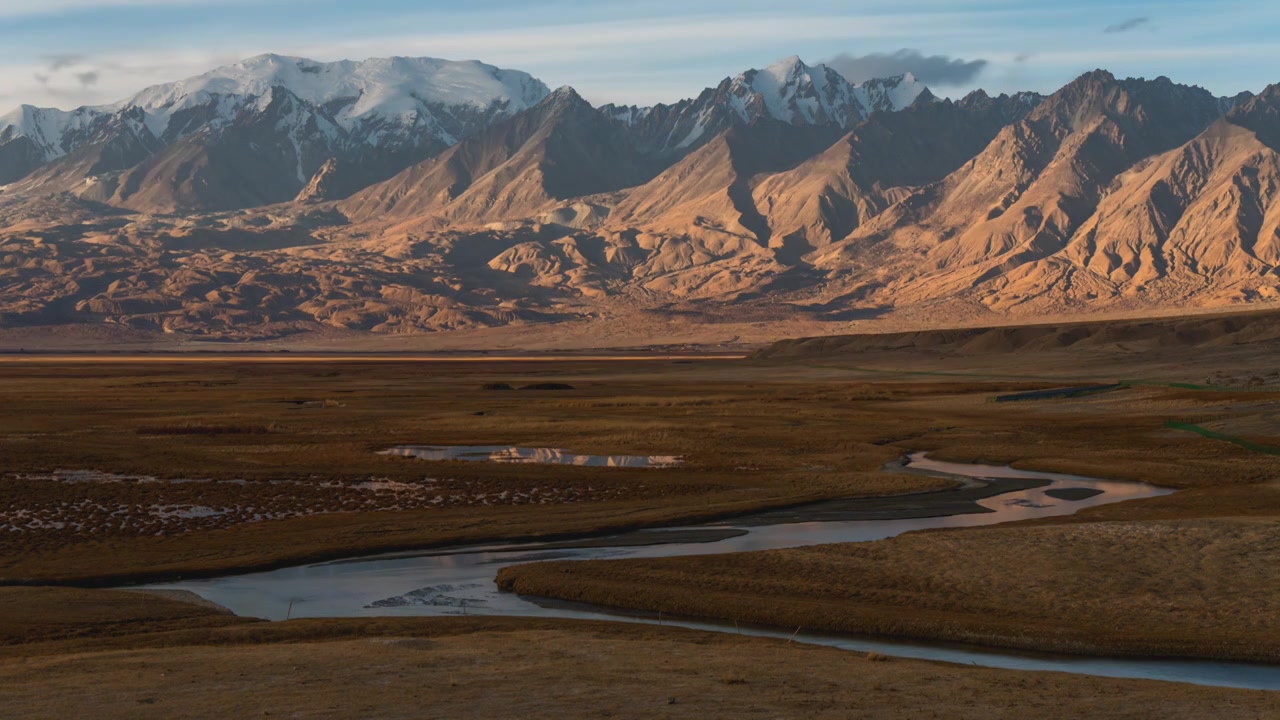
<point>120,471</point>
<point>495,667</point>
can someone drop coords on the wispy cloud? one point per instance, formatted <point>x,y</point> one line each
<point>101,79</point>
<point>631,52</point>
<point>63,61</point>
<point>36,8</point>
<point>929,69</point>
<point>1127,25</point>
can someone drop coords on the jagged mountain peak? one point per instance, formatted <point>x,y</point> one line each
<point>376,116</point>
<point>1176,111</point>
<point>1269,97</point>
<point>372,98</point>
<point>789,66</point>
<point>382,83</point>
<point>1014,107</point>
<point>789,91</point>
<point>786,183</point>
<point>925,97</point>
<point>817,88</point>
<point>566,95</point>
<point>1261,114</point>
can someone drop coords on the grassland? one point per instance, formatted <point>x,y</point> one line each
<point>306,481</point>
<point>1194,588</point>
<point>138,656</point>
<point>129,470</point>
<point>1190,574</point>
<point>221,466</point>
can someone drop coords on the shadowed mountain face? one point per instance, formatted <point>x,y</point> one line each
<point>788,91</point>
<point>256,132</point>
<point>825,199</point>
<point>559,150</point>
<point>1005,230</point>
<point>711,188</point>
<point>781,196</point>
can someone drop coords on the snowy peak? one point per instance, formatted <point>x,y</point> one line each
<point>284,116</point>
<point>789,91</point>
<point>380,82</point>
<point>396,88</point>
<point>566,95</point>
<point>794,92</point>
<point>379,102</point>
<point>53,132</point>
<point>892,94</point>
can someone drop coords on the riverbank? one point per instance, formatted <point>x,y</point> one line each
<point>503,667</point>
<point>1188,589</point>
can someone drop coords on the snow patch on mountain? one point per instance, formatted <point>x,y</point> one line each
<point>793,92</point>
<point>789,90</point>
<point>376,101</point>
<point>48,127</point>
<point>397,88</point>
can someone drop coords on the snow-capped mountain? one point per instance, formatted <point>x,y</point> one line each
<point>379,116</point>
<point>789,91</point>
<point>376,101</point>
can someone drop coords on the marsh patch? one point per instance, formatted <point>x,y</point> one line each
<point>435,596</point>
<point>529,456</point>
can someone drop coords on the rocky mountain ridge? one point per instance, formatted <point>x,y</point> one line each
<point>794,207</point>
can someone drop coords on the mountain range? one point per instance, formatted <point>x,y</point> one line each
<point>281,196</point>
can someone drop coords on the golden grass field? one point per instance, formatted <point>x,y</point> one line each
<point>143,663</point>
<point>218,467</point>
<point>126,470</point>
<point>1195,588</point>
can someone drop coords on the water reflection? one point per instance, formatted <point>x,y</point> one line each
<point>535,456</point>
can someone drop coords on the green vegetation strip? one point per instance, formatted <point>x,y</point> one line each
<point>1212,435</point>
<point>1038,378</point>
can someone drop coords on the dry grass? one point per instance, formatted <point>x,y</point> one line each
<point>32,615</point>
<point>1188,574</point>
<point>753,437</point>
<point>1195,588</point>
<point>495,667</point>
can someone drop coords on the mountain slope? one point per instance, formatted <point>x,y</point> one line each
<point>1032,188</point>
<point>1117,196</point>
<point>710,190</point>
<point>824,199</point>
<point>1202,218</point>
<point>278,117</point>
<point>788,91</point>
<point>559,150</point>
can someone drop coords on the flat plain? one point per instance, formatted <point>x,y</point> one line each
<point>119,470</point>
<point>500,667</point>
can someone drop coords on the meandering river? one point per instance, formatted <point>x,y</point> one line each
<point>461,580</point>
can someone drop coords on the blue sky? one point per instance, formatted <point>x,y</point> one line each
<point>70,52</point>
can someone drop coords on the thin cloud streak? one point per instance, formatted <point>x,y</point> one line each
<point>617,57</point>
<point>64,61</point>
<point>929,69</point>
<point>40,8</point>
<point>568,40</point>
<point>1104,57</point>
<point>1127,25</point>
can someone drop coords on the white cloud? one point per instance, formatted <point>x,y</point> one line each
<point>24,8</point>
<point>629,60</point>
<point>561,53</point>
<point>700,35</point>
<point>118,76</point>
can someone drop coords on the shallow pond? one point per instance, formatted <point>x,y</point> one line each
<point>533,456</point>
<point>461,580</point>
